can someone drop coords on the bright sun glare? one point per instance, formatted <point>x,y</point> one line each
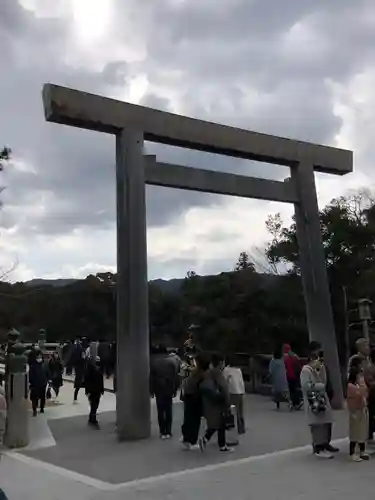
<point>91,18</point>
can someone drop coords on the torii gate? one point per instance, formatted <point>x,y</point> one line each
<point>132,125</point>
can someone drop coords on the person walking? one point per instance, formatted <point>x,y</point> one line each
<point>277,373</point>
<point>236,387</point>
<point>371,398</point>
<point>164,383</point>
<point>317,405</point>
<point>38,380</point>
<point>293,370</point>
<point>357,394</point>
<point>363,358</point>
<point>104,348</point>
<point>94,388</point>
<point>55,372</point>
<point>3,415</point>
<point>192,400</point>
<point>79,364</point>
<point>216,404</point>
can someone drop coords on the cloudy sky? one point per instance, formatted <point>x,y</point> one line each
<point>297,68</point>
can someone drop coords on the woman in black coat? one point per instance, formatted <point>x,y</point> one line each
<point>55,372</point>
<point>94,388</point>
<point>38,380</point>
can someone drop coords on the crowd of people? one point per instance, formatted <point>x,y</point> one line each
<point>212,390</point>
<point>46,376</point>
<point>360,392</point>
<point>209,388</point>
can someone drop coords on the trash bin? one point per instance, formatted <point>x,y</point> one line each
<point>231,427</point>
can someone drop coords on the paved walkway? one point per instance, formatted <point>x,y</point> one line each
<point>274,460</point>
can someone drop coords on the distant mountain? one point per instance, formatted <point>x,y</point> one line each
<point>167,286</point>
<point>56,283</point>
<point>172,285</point>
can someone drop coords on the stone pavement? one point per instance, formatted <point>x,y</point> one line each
<point>274,460</point>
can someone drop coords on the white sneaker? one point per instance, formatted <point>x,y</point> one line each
<point>356,458</point>
<point>324,454</point>
<point>190,447</point>
<point>226,449</point>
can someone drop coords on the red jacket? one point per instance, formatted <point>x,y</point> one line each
<point>292,363</point>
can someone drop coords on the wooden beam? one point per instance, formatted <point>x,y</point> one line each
<point>94,112</point>
<point>210,181</point>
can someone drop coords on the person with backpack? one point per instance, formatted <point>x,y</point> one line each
<point>293,368</point>
<point>164,383</point>
<point>316,401</point>
<point>216,404</point>
<point>192,400</point>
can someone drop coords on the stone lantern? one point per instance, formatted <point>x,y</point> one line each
<point>17,389</point>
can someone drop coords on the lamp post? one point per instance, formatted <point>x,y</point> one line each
<point>16,387</point>
<point>365,316</point>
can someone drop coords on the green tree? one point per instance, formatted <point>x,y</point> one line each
<point>244,262</point>
<point>348,236</point>
<point>5,155</point>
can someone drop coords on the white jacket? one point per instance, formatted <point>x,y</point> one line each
<point>234,379</point>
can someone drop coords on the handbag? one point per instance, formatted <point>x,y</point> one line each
<point>317,401</point>
<point>228,420</point>
<point>48,392</point>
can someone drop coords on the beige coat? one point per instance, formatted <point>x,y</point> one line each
<point>358,413</point>
<point>315,380</point>
<point>213,411</point>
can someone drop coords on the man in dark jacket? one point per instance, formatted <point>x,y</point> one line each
<point>38,380</point>
<point>164,383</point>
<point>94,388</point>
<point>78,361</point>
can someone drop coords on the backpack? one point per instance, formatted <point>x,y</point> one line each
<point>211,391</point>
<point>3,495</point>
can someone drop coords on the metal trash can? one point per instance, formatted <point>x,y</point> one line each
<point>231,428</point>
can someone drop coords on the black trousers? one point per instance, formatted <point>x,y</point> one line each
<point>192,419</point>
<point>165,413</point>
<point>221,440</point>
<point>294,392</point>
<point>94,400</point>
<point>38,396</point>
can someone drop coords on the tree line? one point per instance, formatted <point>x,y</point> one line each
<point>249,309</point>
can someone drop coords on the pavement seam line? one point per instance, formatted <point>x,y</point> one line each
<point>106,486</point>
